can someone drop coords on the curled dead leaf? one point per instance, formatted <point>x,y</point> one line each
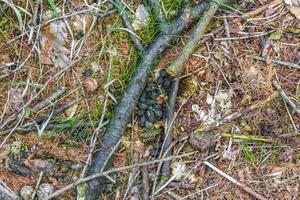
<point>90,85</point>
<point>295,10</point>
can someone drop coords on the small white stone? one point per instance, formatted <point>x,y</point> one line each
<point>26,192</point>
<point>45,190</point>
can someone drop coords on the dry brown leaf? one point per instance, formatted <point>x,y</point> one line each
<point>17,99</point>
<point>295,10</point>
<point>90,85</point>
<point>287,154</point>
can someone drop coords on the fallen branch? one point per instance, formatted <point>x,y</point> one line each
<point>6,193</point>
<point>176,67</point>
<point>170,121</point>
<point>102,159</point>
<point>239,184</point>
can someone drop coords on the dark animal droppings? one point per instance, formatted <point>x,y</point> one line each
<point>149,109</point>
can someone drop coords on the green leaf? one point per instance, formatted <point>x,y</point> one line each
<point>53,6</point>
<point>249,155</point>
<point>293,30</point>
<point>276,35</point>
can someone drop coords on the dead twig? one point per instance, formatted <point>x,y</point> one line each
<point>145,183</point>
<point>279,62</point>
<point>239,184</point>
<point>127,24</point>
<point>114,170</point>
<point>286,98</point>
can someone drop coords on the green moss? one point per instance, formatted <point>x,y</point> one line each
<point>171,7</point>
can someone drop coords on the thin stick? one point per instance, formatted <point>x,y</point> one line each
<point>127,24</point>
<point>286,98</point>
<point>37,184</point>
<point>113,170</point>
<point>239,184</point>
<point>279,62</point>
<point>49,99</point>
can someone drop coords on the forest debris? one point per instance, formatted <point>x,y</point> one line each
<point>90,85</point>
<point>49,100</point>
<point>26,192</point>
<point>54,43</point>
<point>286,98</point>
<point>239,184</point>
<point>279,62</point>
<point>221,101</point>
<point>115,130</point>
<point>17,100</point>
<point>6,193</point>
<point>178,170</point>
<point>45,190</point>
<point>202,140</point>
<point>18,167</point>
<point>295,10</point>
<point>142,17</point>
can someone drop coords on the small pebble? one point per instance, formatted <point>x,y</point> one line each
<point>150,116</point>
<point>87,73</point>
<point>140,113</point>
<point>26,192</point>
<point>142,121</point>
<point>148,125</point>
<point>45,190</point>
<point>150,109</point>
<point>162,72</point>
<point>150,102</point>
<point>79,35</point>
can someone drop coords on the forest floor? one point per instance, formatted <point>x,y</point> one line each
<point>58,80</point>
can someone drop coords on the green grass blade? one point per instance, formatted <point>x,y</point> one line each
<point>53,7</point>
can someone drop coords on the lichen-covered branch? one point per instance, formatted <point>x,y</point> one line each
<point>176,67</point>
